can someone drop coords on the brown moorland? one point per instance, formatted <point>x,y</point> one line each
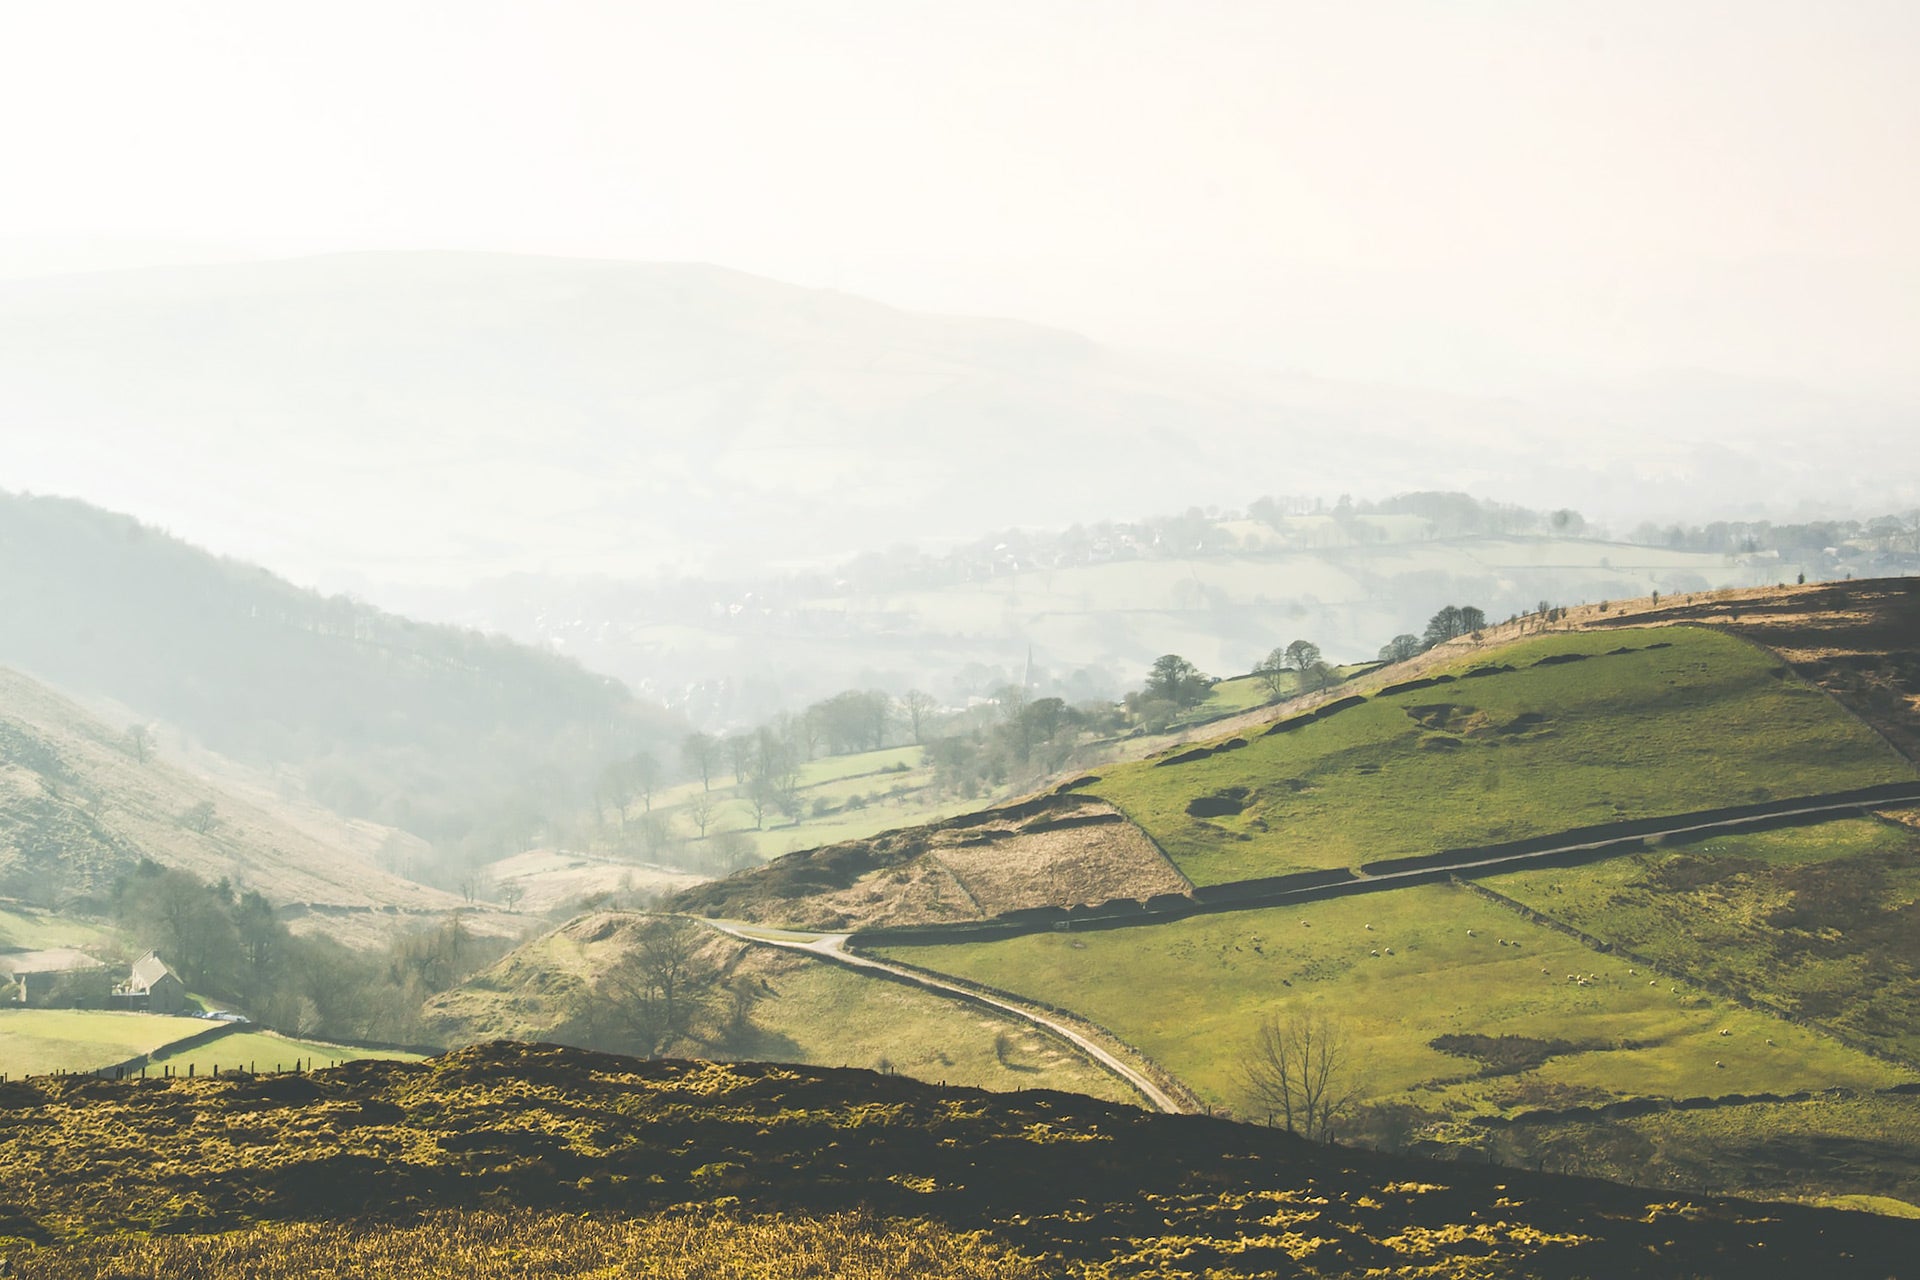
<point>453,1147</point>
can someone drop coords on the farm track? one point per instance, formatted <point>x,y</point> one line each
<point>832,947</point>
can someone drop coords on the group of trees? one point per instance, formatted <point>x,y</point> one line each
<point>1450,623</point>
<point>231,945</point>
<point>1014,739</point>
<point>1302,658</point>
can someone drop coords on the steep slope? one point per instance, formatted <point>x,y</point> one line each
<point>419,1156</point>
<point>81,803</point>
<point>574,985</point>
<point>427,728</point>
<point>1053,851</point>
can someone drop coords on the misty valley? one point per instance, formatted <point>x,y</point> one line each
<point>818,640</point>
<point>1600,887</point>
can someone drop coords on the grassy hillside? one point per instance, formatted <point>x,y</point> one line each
<point>1820,922</point>
<point>35,1041</point>
<point>1573,735</point>
<point>429,728</point>
<point>465,1165</point>
<point>1347,587</point>
<point>772,1005</point>
<point>839,797</point>
<point>79,806</point>
<point>1399,970</point>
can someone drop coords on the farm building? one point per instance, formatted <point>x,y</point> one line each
<point>151,986</point>
<point>27,977</point>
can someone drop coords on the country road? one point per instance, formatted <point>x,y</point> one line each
<point>832,946</point>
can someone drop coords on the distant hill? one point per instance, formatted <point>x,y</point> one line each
<point>432,729</point>
<point>537,1161</point>
<point>437,417</point>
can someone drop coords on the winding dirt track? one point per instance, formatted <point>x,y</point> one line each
<point>832,947</point>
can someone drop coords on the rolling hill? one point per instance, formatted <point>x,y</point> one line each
<point>434,730</point>
<point>1593,847</point>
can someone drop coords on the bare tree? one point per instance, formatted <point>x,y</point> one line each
<point>701,809</point>
<point>645,771</point>
<point>653,996</point>
<point>1300,1070</point>
<point>1272,671</point>
<point>701,753</point>
<point>918,708</point>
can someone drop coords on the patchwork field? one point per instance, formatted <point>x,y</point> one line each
<point>1397,971</point>
<point>842,797</point>
<point>1818,921</point>
<point>1575,734</point>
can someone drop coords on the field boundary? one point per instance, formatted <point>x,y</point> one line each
<point>1745,999</point>
<point>1628,1108</point>
<point>1584,844</point>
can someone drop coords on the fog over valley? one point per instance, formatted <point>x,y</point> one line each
<point>943,641</point>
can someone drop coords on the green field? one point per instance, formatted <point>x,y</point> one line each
<point>1190,993</point>
<point>826,1015</point>
<point>845,797</point>
<point>1821,921</point>
<point>33,1041</point>
<point>31,929</point>
<point>1704,722</point>
<point>271,1051</point>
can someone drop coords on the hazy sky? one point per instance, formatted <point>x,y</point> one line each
<point>1464,194</point>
